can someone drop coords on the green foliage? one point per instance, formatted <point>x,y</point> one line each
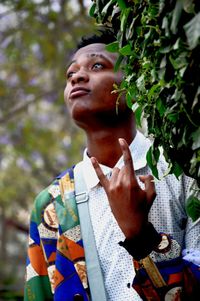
<point>193,207</point>
<point>161,43</point>
<point>37,40</point>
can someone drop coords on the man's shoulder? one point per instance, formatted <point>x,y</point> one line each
<point>53,192</point>
<point>69,171</point>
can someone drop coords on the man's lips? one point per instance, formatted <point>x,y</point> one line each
<point>78,91</point>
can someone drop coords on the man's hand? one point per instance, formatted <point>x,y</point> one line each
<point>129,203</point>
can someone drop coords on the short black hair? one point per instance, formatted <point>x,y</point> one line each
<point>104,35</point>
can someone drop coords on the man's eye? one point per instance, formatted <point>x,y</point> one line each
<point>97,66</point>
<point>69,74</point>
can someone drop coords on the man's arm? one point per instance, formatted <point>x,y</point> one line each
<point>37,283</point>
<point>154,278</point>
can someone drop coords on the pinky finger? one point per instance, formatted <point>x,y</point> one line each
<point>149,188</point>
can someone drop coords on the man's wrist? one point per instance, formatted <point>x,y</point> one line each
<point>141,246</point>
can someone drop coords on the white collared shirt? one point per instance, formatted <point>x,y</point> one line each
<point>167,215</point>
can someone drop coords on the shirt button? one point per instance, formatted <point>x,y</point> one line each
<point>78,297</point>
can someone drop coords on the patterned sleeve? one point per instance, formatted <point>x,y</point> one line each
<point>174,275</point>
<point>37,283</point>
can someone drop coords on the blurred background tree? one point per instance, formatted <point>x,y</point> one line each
<point>37,139</point>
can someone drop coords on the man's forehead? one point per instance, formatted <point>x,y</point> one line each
<point>96,49</point>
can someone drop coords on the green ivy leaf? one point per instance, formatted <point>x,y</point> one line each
<point>138,115</point>
<point>129,100</point>
<point>113,47</point>
<point>154,90</point>
<point>118,63</point>
<point>188,6</point>
<point>135,106</point>
<point>176,16</point>
<point>124,18</point>
<point>105,9</point>
<point>92,10</point>
<point>130,29</point>
<point>173,116</point>
<point>126,50</point>
<point>176,169</point>
<point>152,159</point>
<point>131,95</point>
<point>160,106</point>
<point>141,83</point>
<point>196,139</point>
<point>192,31</point>
<point>122,4</point>
<point>193,207</point>
<point>180,61</point>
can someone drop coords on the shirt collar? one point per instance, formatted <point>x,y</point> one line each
<point>138,148</point>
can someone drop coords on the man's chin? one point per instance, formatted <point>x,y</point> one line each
<point>81,118</point>
<point>88,119</point>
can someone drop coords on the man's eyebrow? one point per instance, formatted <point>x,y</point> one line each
<point>72,62</point>
<point>99,55</point>
<point>91,55</point>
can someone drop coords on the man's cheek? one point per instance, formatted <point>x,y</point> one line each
<point>66,95</point>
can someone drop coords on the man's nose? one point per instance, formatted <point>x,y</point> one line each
<point>80,76</point>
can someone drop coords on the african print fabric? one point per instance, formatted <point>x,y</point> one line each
<point>56,263</point>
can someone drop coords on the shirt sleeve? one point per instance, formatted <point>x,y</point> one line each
<point>175,272</point>
<point>37,284</point>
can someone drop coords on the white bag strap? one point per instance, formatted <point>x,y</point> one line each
<point>95,277</point>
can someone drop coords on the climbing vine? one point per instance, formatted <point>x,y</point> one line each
<point>161,43</point>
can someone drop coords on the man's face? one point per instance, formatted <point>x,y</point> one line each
<point>90,79</point>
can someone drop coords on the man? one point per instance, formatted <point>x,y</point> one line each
<point>140,229</point>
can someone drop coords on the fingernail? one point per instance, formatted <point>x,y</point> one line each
<point>121,141</point>
<point>93,160</point>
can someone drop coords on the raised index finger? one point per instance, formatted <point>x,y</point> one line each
<point>128,162</point>
<point>102,178</point>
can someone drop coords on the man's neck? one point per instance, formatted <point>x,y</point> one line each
<point>104,145</point>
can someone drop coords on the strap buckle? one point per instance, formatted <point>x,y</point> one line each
<point>82,197</point>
